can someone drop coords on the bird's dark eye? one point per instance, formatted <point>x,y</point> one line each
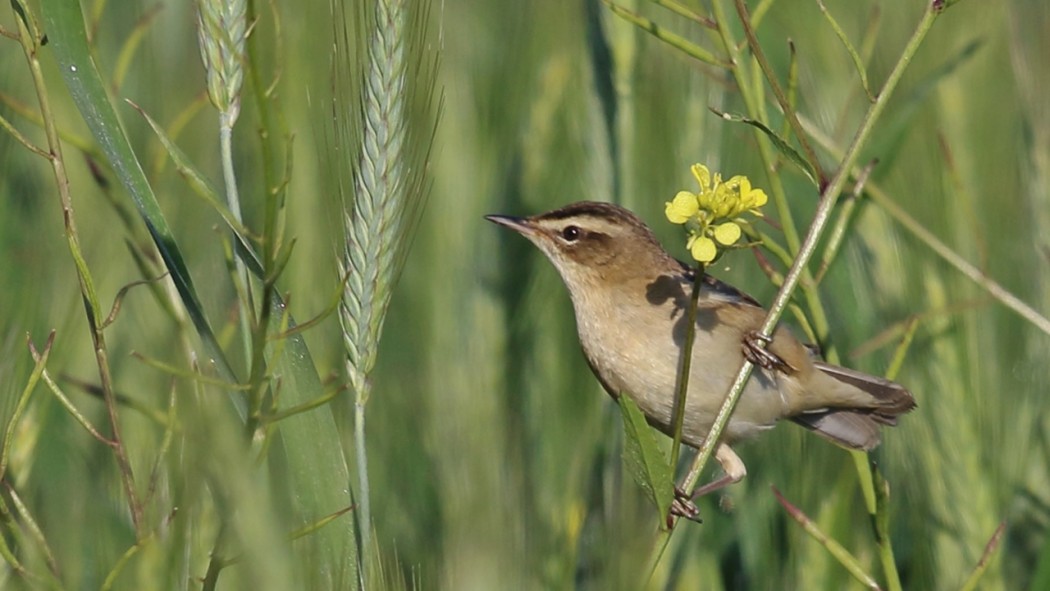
<point>570,233</point>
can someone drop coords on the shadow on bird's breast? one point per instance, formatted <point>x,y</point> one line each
<point>666,289</point>
<point>670,292</point>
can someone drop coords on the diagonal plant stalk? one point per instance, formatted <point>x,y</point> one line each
<point>29,37</point>
<point>883,200</point>
<point>821,219</point>
<point>819,223</point>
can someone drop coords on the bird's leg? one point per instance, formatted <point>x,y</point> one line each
<point>762,356</point>
<point>735,471</point>
<point>734,468</point>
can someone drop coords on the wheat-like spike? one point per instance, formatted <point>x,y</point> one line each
<point>388,185</point>
<point>222,30</point>
<point>383,203</point>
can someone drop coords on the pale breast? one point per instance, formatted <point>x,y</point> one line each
<point>635,349</point>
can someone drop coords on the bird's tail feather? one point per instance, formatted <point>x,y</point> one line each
<point>857,426</point>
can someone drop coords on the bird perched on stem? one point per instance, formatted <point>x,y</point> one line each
<point>630,298</point>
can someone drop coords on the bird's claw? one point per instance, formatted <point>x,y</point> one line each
<point>683,506</point>
<point>761,356</point>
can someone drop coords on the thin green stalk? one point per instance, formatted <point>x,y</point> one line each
<point>29,37</point>
<point>684,364</point>
<point>34,529</point>
<point>233,201</point>
<point>986,558</point>
<point>838,233</point>
<point>40,361</point>
<point>222,30</point>
<point>880,197</point>
<point>677,41</point>
<point>881,519</point>
<point>361,451</point>
<point>840,553</point>
<point>809,245</point>
<point>751,92</point>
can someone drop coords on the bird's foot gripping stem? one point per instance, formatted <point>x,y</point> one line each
<point>756,350</point>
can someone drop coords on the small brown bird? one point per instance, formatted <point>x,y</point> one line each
<point>630,299</point>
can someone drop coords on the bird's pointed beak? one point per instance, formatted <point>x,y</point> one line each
<point>520,225</point>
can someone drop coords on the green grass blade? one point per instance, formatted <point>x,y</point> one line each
<point>68,41</point>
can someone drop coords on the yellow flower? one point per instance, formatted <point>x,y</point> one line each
<point>713,213</point>
<point>682,208</point>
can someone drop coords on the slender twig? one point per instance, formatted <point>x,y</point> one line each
<point>29,37</point>
<point>986,558</point>
<point>880,197</point>
<point>680,10</point>
<point>20,138</point>
<point>23,401</point>
<point>685,362</point>
<point>820,221</point>
<point>838,233</point>
<point>677,41</point>
<point>34,529</point>
<point>881,521</point>
<point>844,557</point>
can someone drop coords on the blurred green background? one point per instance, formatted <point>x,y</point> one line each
<point>494,454</point>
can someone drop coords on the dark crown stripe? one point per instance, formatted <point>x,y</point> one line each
<point>589,209</point>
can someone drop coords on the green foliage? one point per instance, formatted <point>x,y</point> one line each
<point>644,459</point>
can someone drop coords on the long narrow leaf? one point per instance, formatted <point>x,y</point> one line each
<point>780,143</point>
<point>643,457</point>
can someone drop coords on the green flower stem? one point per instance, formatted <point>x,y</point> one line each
<point>809,245</point>
<point>678,413</point>
<point>29,36</point>
<point>750,91</point>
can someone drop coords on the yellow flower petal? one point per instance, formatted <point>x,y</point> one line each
<point>703,249</point>
<point>683,207</point>
<point>758,198</point>
<point>727,233</point>
<point>702,176</point>
<point>744,186</point>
